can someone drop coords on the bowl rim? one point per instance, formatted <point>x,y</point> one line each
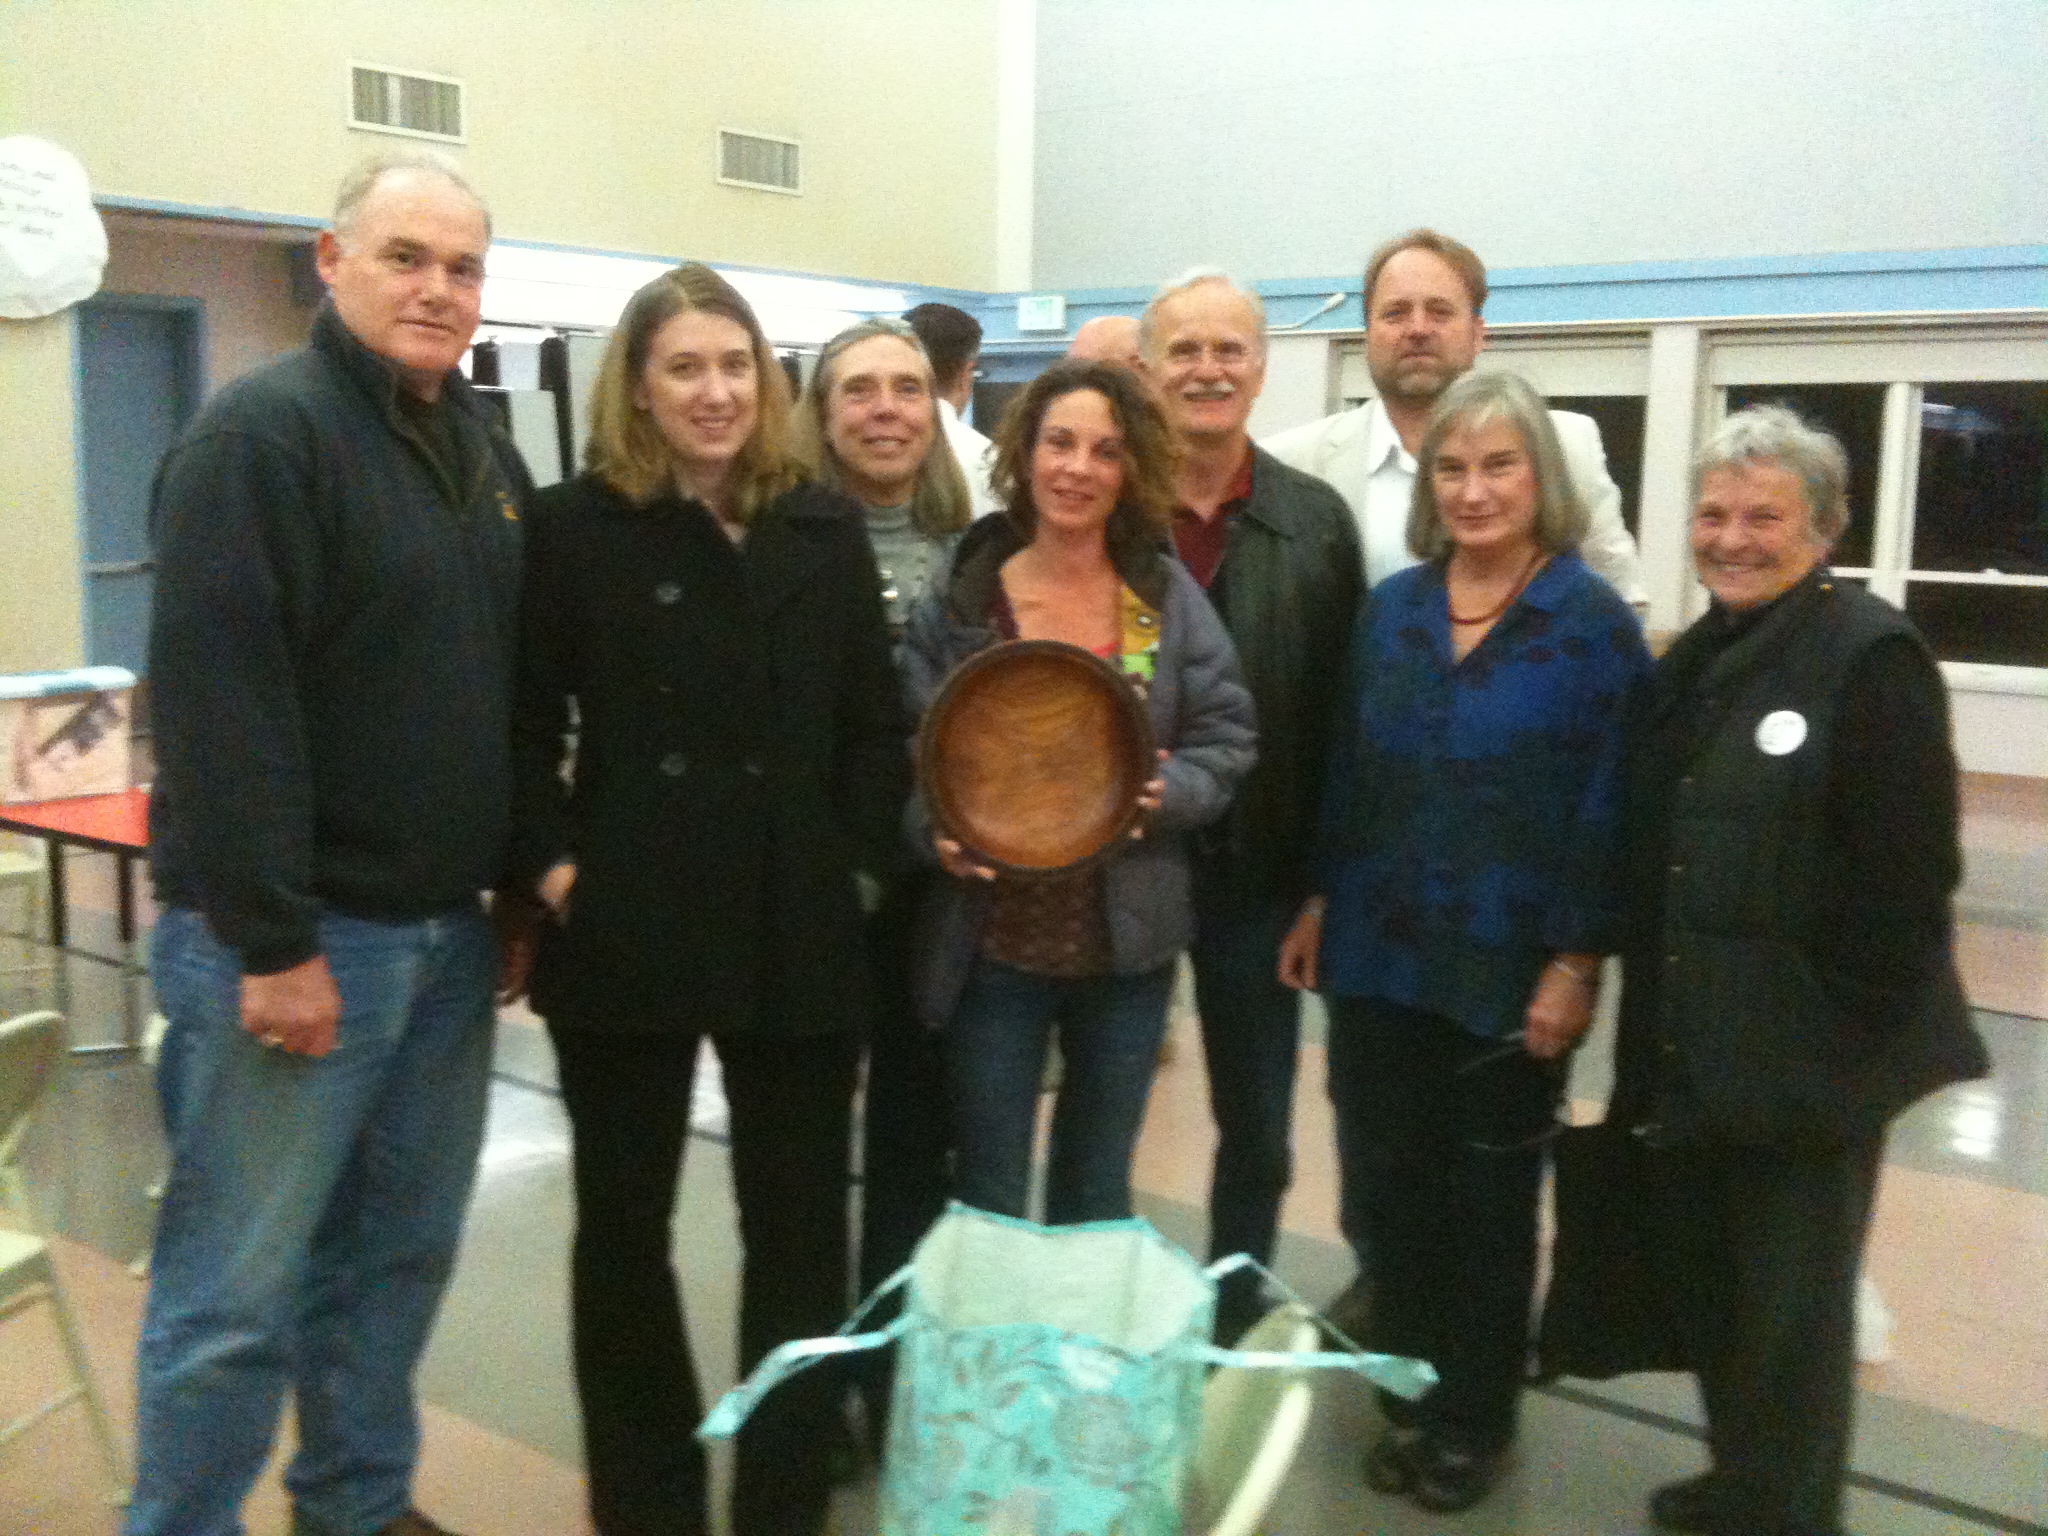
<point>1113,681</point>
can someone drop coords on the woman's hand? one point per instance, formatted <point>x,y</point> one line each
<point>553,890</point>
<point>1298,950</point>
<point>1150,798</point>
<point>1561,1006</point>
<point>954,861</point>
<point>517,920</point>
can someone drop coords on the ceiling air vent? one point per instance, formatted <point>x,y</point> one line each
<point>758,161</point>
<point>399,101</point>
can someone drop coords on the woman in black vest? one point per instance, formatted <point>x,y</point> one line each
<point>1791,827</point>
<point>737,775</point>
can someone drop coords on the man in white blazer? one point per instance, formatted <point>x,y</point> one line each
<point>1423,296</point>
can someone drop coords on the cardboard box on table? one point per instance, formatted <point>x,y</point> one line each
<point>64,734</point>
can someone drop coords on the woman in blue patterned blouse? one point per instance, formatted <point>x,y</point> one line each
<point>1467,896</point>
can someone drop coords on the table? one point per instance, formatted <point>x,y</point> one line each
<point>116,824</point>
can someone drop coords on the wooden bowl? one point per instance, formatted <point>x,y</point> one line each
<point>1033,756</point>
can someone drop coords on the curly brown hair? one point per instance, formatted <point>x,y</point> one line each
<point>1145,500</point>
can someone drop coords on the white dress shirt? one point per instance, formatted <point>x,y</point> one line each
<point>975,454</point>
<point>1359,454</point>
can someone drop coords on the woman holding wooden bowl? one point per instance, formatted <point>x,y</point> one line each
<point>1020,941</point>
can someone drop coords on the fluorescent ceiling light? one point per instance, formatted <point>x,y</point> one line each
<point>529,285</point>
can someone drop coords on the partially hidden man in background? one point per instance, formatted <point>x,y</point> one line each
<point>338,569</point>
<point>1424,294</point>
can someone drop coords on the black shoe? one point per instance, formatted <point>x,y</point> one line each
<point>411,1523</point>
<point>1236,1316</point>
<point>1450,1476</point>
<point>1350,1310</point>
<point>1711,1504</point>
<point>1390,1464</point>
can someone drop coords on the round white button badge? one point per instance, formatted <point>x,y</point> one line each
<point>1780,732</point>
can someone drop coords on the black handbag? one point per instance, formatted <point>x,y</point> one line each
<point>1608,1310</point>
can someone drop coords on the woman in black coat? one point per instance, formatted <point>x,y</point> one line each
<point>1789,985</point>
<point>704,651</point>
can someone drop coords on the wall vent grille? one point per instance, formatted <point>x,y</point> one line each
<point>760,161</point>
<point>405,102</point>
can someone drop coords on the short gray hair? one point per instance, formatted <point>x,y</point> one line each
<point>358,184</point>
<point>1774,436</point>
<point>1475,400</point>
<point>1148,326</point>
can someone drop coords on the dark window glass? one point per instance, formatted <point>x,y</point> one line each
<point>2004,626</point>
<point>1620,418</point>
<point>990,401</point>
<point>1983,495</point>
<point>1855,414</point>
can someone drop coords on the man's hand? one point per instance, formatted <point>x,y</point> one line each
<point>1299,949</point>
<point>294,1010</point>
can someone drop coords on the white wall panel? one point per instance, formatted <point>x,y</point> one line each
<point>1284,138</point>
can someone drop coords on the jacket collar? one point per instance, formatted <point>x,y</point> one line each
<point>1267,505</point>
<point>1724,647</point>
<point>1382,441</point>
<point>376,377</point>
<point>989,541</point>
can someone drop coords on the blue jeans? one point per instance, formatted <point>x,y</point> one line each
<point>1251,1036</point>
<point>1109,1033</point>
<point>309,1223</point>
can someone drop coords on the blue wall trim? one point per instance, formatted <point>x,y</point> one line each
<point>1865,282</point>
<point>1877,282</point>
<point>204,211</point>
<point>917,293</point>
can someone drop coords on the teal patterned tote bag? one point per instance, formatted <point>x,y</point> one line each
<point>1048,1379</point>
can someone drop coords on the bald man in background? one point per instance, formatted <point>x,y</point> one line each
<point>1107,339</point>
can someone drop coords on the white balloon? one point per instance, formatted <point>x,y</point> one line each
<point>53,247</point>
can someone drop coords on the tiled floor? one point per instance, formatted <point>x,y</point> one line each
<point>1952,1434</point>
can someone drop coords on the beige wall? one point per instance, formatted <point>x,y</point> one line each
<point>245,292</point>
<point>591,122</point>
<point>40,621</point>
<point>243,285</point>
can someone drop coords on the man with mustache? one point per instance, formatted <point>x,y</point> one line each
<point>1423,296</point>
<point>1277,554</point>
<point>338,567</point>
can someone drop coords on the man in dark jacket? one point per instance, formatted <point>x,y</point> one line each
<point>1277,552</point>
<point>338,564</point>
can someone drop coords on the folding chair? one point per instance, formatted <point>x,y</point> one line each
<point>1252,1425</point>
<point>31,1047</point>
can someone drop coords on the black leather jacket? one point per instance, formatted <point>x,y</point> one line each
<point>1288,591</point>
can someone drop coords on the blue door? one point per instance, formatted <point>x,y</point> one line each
<point>138,384</point>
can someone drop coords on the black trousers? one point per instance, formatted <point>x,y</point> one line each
<point>1762,1246</point>
<point>628,1098</point>
<point>1441,1141</point>
<point>906,1130</point>
<point>906,1126</point>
